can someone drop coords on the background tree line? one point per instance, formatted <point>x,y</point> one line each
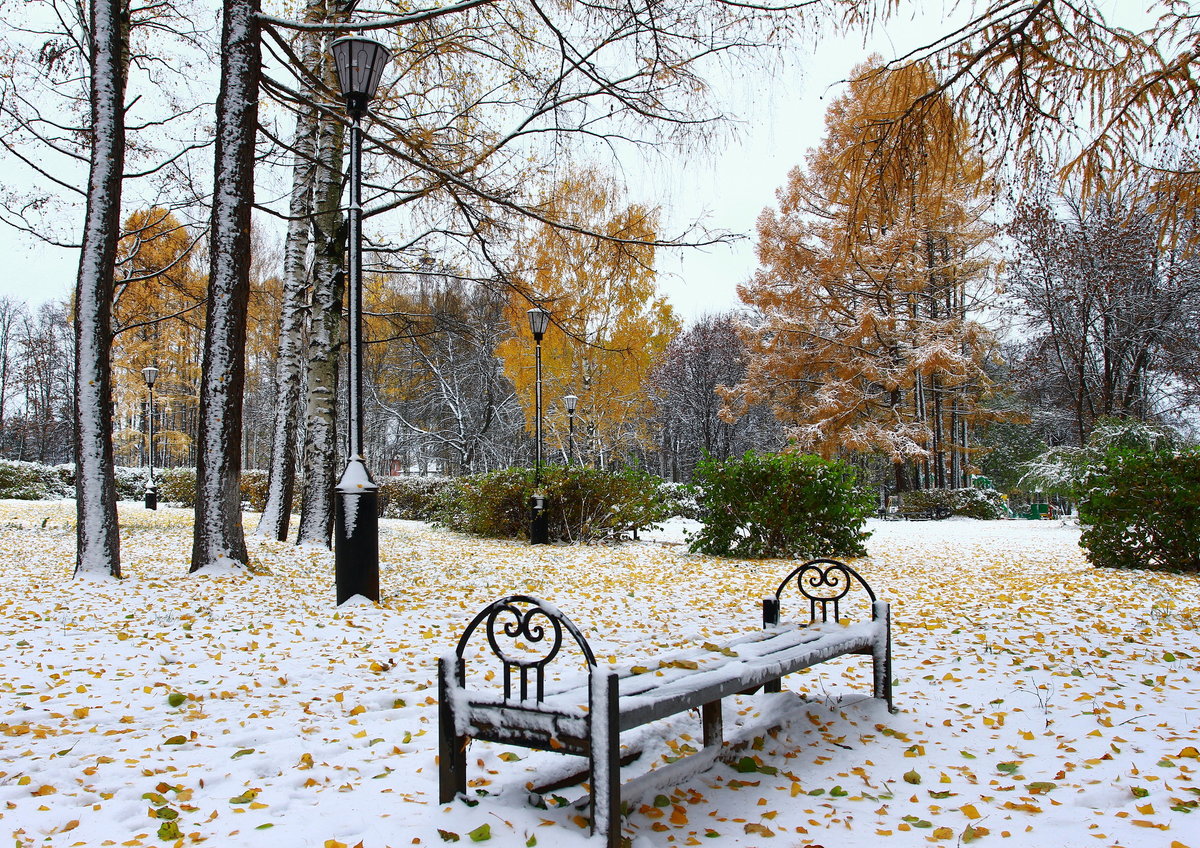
<point>481,147</point>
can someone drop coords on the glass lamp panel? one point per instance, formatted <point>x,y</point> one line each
<point>539,320</point>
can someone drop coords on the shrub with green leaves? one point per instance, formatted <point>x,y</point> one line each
<point>582,504</point>
<point>411,498</point>
<point>30,481</point>
<point>680,499</point>
<point>178,486</point>
<point>780,505</point>
<point>1141,509</point>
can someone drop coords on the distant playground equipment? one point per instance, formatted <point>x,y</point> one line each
<point>1039,512</point>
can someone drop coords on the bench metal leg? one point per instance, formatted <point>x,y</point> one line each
<point>882,655</point>
<point>604,739</point>
<point>714,727</point>
<point>452,748</point>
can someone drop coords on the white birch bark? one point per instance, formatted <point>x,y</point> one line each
<point>320,431</point>
<point>98,540</point>
<point>290,366</point>
<point>218,537</point>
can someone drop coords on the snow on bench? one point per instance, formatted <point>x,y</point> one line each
<point>583,712</point>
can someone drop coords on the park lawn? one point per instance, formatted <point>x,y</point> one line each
<point>1041,702</point>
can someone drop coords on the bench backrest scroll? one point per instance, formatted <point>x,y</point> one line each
<point>525,634</point>
<point>825,584</point>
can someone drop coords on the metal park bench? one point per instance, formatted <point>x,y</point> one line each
<point>933,513</point>
<point>584,712</point>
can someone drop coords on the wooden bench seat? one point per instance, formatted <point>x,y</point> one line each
<point>584,711</point>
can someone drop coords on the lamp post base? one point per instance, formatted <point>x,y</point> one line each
<point>151,497</point>
<point>356,534</point>
<point>539,524</point>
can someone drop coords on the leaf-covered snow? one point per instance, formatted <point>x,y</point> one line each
<point>1041,701</point>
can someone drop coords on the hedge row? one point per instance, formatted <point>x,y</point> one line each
<point>31,481</point>
<point>582,504</point>
<point>972,503</point>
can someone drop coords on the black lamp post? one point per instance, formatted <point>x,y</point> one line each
<point>569,402</point>
<point>150,373</point>
<point>360,63</point>
<point>539,530</point>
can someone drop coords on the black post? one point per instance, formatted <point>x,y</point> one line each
<point>571,437</point>
<point>539,529</point>
<point>356,515</point>
<point>152,488</point>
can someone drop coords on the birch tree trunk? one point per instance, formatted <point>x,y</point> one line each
<point>218,536</point>
<point>98,549</point>
<point>290,366</point>
<point>320,435</point>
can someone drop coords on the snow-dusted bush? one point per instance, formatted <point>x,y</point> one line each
<point>30,481</point>
<point>1062,470</point>
<point>972,503</point>
<point>582,504</point>
<point>494,504</point>
<point>178,486</point>
<point>411,498</point>
<point>253,484</point>
<point>679,499</point>
<point>131,481</point>
<point>1141,509</point>
<point>780,505</point>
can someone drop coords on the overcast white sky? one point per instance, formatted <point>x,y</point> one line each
<point>780,116</point>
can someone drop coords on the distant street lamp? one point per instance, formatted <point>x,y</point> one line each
<point>539,530</point>
<point>150,374</point>
<point>569,402</point>
<point>360,63</point>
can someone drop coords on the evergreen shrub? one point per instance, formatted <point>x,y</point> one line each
<point>583,504</point>
<point>1141,509</point>
<point>177,486</point>
<point>971,503</point>
<point>253,484</point>
<point>131,482</point>
<point>780,505</point>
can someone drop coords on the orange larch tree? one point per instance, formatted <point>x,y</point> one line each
<point>860,338</point>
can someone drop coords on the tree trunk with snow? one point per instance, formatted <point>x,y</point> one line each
<point>290,366</point>
<point>320,437</point>
<point>218,535</point>
<point>98,548</point>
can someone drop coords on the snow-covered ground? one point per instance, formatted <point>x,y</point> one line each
<point>1041,702</point>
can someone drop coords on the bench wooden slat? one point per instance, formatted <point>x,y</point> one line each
<point>701,686</point>
<point>761,657</point>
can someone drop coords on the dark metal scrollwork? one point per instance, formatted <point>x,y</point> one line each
<point>825,582</point>
<point>534,622</point>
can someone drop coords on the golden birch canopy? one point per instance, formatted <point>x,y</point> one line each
<point>609,322</point>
